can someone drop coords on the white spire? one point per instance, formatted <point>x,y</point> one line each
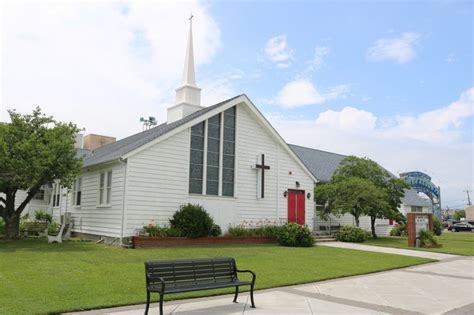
<point>188,96</point>
<point>188,73</point>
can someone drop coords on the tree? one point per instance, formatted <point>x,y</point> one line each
<point>375,193</point>
<point>353,195</point>
<point>459,214</point>
<point>35,150</point>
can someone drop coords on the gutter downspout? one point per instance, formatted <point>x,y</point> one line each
<point>124,202</point>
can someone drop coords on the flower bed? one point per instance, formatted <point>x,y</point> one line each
<point>144,241</point>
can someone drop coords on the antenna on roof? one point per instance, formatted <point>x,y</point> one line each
<point>148,123</point>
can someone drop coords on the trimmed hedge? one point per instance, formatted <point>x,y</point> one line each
<point>399,230</point>
<point>349,233</point>
<point>192,221</point>
<point>295,235</point>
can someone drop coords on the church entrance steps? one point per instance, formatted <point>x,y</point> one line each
<point>326,239</point>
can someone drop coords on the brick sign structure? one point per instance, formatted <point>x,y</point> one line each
<point>417,221</point>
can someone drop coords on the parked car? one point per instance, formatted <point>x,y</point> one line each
<point>462,226</point>
<point>451,223</point>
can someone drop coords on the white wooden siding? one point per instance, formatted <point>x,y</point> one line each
<point>90,218</point>
<point>157,181</point>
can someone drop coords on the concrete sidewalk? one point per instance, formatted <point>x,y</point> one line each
<point>390,250</point>
<point>442,287</point>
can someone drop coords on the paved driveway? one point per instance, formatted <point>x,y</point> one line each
<point>446,286</point>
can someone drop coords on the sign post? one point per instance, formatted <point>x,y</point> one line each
<point>416,222</point>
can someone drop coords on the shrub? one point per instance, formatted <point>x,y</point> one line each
<point>2,226</point>
<point>43,216</point>
<point>399,230</point>
<point>192,221</point>
<point>349,233</point>
<point>215,230</point>
<point>266,231</point>
<point>154,230</point>
<point>428,239</point>
<point>437,226</point>
<point>53,228</point>
<point>295,235</point>
<point>239,231</point>
<point>172,232</point>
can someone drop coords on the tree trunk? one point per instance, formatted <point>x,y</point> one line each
<point>356,218</point>
<point>12,227</point>
<point>11,217</point>
<point>372,226</point>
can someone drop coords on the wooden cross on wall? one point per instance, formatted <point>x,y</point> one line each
<point>263,167</point>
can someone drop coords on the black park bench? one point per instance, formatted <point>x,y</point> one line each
<point>173,276</point>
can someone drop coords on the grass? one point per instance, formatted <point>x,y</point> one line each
<point>460,243</point>
<point>36,277</point>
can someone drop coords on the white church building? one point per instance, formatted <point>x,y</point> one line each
<point>226,157</point>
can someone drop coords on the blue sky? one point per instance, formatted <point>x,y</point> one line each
<point>348,29</point>
<point>390,80</point>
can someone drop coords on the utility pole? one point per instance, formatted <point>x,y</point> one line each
<point>468,197</point>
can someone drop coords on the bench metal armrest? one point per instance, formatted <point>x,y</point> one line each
<point>162,281</point>
<point>248,271</point>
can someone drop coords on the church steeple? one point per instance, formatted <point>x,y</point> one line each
<point>188,73</point>
<point>188,96</point>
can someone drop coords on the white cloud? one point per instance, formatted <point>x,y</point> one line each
<point>400,49</point>
<point>298,93</point>
<point>302,92</point>
<point>337,92</point>
<point>320,53</point>
<point>437,125</point>
<point>102,76</point>
<point>349,119</point>
<point>445,155</point>
<point>216,90</point>
<point>277,51</point>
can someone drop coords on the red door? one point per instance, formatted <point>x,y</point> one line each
<point>296,206</point>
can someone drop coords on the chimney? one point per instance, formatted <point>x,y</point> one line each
<point>92,142</point>
<point>188,96</point>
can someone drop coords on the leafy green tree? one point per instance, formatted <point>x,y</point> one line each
<point>34,150</point>
<point>459,214</point>
<point>353,195</point>
<point>361,187</point>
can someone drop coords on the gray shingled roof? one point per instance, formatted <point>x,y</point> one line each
<point>115,150</point>
<point>323,164</point>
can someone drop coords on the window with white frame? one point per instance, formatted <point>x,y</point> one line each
<point>77,192</point>
<point>39,195</point>
<point>56,194</point>
<point>416,209</point>
<point>105,188</point>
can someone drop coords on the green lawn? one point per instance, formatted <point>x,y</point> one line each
<point>36,277</point>
<point>460,243</point>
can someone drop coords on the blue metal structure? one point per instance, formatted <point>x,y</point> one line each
<point>421,182</point>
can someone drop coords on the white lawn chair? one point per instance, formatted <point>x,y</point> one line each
<point>64,231</point>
